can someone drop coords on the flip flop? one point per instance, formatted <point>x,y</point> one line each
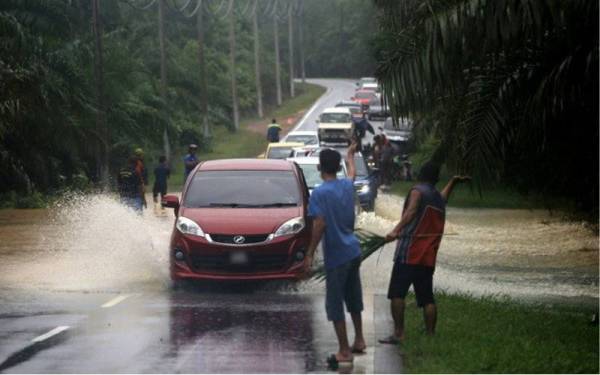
<point>333,363</point>
<point>359,351</point>
<point>393,340</point>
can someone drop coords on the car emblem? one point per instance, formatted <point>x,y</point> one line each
<point>239,239</point>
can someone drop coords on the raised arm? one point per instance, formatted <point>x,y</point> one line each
<point>447,191</point>
<point>350,160</point>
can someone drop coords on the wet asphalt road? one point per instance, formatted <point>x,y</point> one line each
<point>199,329</point>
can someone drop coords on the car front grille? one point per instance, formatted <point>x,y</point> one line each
<point>256,263</point>
<point>248,239</point>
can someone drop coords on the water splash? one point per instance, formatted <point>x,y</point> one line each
<point>92,243</point>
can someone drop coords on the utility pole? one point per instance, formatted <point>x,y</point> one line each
<point>277,59</point>
<point>291,47</point>
<point>102,152</point>
<point>236,115</point>
<point>203,102</point>
<point>163,71</point>
<point>259,102</point>
<point>301,41</point>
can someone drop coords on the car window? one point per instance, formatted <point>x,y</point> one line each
<point>313,176</point>
<point>240,189</point>
<point>361,166</point>
<point>364,95</point>
<point>336,118</point>
<point>279,153</point>
<point>306,139</point>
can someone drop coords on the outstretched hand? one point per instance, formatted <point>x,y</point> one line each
<point>353,147</point>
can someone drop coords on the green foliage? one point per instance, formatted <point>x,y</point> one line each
<point>510,87</point>
<point>489,335</point>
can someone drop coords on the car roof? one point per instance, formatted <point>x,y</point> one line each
<point>285,144</point>
<point>305,160</point>
<point>347,103</point>
<point>246,165</point>
<point>361,91</point>
<point>336,110</point>
<point>303,132</point>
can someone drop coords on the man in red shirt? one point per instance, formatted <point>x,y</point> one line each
<point>419,234</point>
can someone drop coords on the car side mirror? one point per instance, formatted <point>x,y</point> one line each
<point>357,84</point>
<point>171,201</point>
<point>317,121</point>
<point>352,98</point>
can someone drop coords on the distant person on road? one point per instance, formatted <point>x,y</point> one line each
<point>332,208</point>
<point>418,236</point>
<point>361,127</point>
<point>190,161</point>
<point>131,186</point>
<point>161,174</point>
<point>142,172</point>
<point>273,131</point>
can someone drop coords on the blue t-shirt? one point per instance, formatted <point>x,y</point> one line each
<point>188,157</point>
<point>334,201</point>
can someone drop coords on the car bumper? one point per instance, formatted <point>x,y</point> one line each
<point>275,260</point>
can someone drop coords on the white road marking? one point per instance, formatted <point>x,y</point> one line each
<point>47,335</point>
<point>115,301</point>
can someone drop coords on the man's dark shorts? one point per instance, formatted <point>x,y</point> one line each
<point>421,277</point>
<point>342,284</point>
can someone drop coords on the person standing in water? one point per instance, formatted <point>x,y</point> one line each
<point>161,174</point>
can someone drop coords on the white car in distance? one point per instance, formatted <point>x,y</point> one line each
<point>335,126</point>
<point>309,138</point>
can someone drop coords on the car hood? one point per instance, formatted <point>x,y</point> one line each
<point>240,220</point>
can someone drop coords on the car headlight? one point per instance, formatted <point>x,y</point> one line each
<point>364,189</point>
<point>292,226</point>
<point>187,226</point>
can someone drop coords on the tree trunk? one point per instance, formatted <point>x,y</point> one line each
<point>277,60</point>
<point>301,41</point>
<point>163,71</point>
<point>259,101</point>
<point>102,152</point>
<point>203,102</point>
<point>291,46</point>
<point>232,52</point>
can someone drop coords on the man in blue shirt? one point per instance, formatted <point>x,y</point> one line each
<point>332,208</point>
<point>273,131</point>
<point>190,161</point>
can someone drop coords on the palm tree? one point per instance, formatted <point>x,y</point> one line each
<point>497,80</point>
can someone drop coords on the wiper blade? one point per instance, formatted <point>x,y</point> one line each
<point>232,205</point>
<point>277,205</point>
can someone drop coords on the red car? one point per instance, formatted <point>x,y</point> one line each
<point>240,219</point>
<point>364,97</point>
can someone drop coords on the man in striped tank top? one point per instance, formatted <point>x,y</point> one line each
<point>418,236</point>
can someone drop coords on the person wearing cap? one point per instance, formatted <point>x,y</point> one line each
<point>273,131</point>
<point>190,161</point>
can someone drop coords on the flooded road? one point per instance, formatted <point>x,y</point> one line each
<point>95,244</point>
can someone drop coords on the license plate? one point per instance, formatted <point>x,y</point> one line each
<point>238,258</point>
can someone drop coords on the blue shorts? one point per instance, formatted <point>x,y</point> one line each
<point>342,284</point>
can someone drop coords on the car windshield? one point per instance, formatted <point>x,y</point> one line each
<point>375,102</point>
<point>306,139</point>
<point>336,118</point>
<point>242,189</point>
<point>364,95</point>
<point>313,176</point>
<point>361,167</point>
<point>279,153</point>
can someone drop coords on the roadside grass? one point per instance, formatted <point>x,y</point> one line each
<point>465,196</point>
<point>488,335</point>
<point>244,143</point>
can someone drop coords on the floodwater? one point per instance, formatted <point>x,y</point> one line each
<point>92,243</point>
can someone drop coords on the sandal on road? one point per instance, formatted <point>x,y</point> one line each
<point>334,363</point>
<point>392,340</point>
